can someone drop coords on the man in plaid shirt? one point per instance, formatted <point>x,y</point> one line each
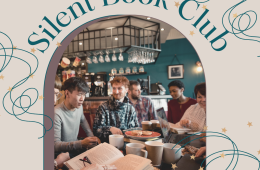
<point>143,106</point>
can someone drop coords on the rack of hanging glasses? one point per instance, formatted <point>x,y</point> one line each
<point>140,45</point>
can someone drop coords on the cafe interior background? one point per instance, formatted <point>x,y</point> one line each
<point>153,49</point>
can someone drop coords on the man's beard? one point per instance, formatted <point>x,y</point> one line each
<point>135,97</point>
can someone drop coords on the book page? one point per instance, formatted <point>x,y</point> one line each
<point>131,162</point>
<point>103,154</point>
<point>149,167</point>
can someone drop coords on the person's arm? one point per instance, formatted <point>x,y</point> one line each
<point>186,116</point>
<point>151,110</point>
<point>201,151</point>
<point>100,127</point>
<point>84,124</point>
<point>60,146</point>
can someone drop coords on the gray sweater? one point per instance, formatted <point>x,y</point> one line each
<point>66,128</point>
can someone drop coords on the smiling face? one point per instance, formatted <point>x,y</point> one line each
<point>75,99</point>
<point>176,92</point>
<point>119,91</point>
<point>201,99</point>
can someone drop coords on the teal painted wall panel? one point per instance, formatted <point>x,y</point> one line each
<point>158,72</point>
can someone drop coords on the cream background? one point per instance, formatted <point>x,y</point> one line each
<point>232,75</point>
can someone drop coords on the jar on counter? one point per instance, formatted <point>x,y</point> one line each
<point>113,71</point>
<point>141,69</point>
<point>121,71</point>
<point>127,70</point>
<point>134,70</point>
<point>72,73</point>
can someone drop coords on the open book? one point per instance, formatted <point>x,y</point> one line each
<point>106,154</point>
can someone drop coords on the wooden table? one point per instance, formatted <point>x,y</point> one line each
<point>185,162</point>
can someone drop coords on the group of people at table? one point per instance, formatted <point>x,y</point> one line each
<point>125,109</point>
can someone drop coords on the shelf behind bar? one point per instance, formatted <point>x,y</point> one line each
<point>130,74</point>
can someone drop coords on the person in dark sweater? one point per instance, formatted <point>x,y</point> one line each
<point>117,113</point>
<point>180,103</point>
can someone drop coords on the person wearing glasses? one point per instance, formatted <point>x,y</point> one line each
<point>67,118</point>
<point>195,116</point>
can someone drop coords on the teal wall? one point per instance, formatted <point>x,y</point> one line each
<point>158,71</point>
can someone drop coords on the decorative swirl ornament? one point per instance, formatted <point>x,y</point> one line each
<point>19,108</point>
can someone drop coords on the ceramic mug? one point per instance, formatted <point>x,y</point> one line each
<point>169,153</point>
<point>117,141</point>
<point>136,149</point>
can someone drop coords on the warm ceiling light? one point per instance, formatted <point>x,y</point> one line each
<point>162,29</point>
<point>116,38</point>
<point>148,18</point>
<point>80,43</point>
<point>199,67</point>
<point>82,64</point>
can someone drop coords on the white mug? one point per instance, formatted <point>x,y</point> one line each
<point>169,154</point>
<point>117,141</point>
<point>136,149</point>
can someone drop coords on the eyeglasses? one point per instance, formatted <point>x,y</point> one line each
<point>85,159</point>
<point>58,95</point>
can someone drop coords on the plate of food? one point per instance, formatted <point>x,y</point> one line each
<point>142,135</point>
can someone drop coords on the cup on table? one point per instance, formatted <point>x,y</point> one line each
<point>136,149</point>
<point>146,125</point>
<point>155,151</point>
<point>154,124</point>
<point>117,141</point>
<point>169,154</point>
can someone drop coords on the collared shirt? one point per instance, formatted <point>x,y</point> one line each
<point>145,110</point>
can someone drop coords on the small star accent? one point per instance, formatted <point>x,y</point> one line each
<point>224,130</point>
<point>235,15</point>
<point>205,128</point>
<point>31,75</point>
<point>201,168</point>
<point>14,48</point>
<point>177,4</point>
<point>192,33</point>
<point>222,155</point>
<point>10,89</point>
<point>192,157</point>
<point>249,124</point>
<point>58,44</point>
<point>41,97</point>
<point>2,77</point>
<point>33,50</point>
<point>174,166</point>
<point>258,152</point>
<point>204,7</point>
